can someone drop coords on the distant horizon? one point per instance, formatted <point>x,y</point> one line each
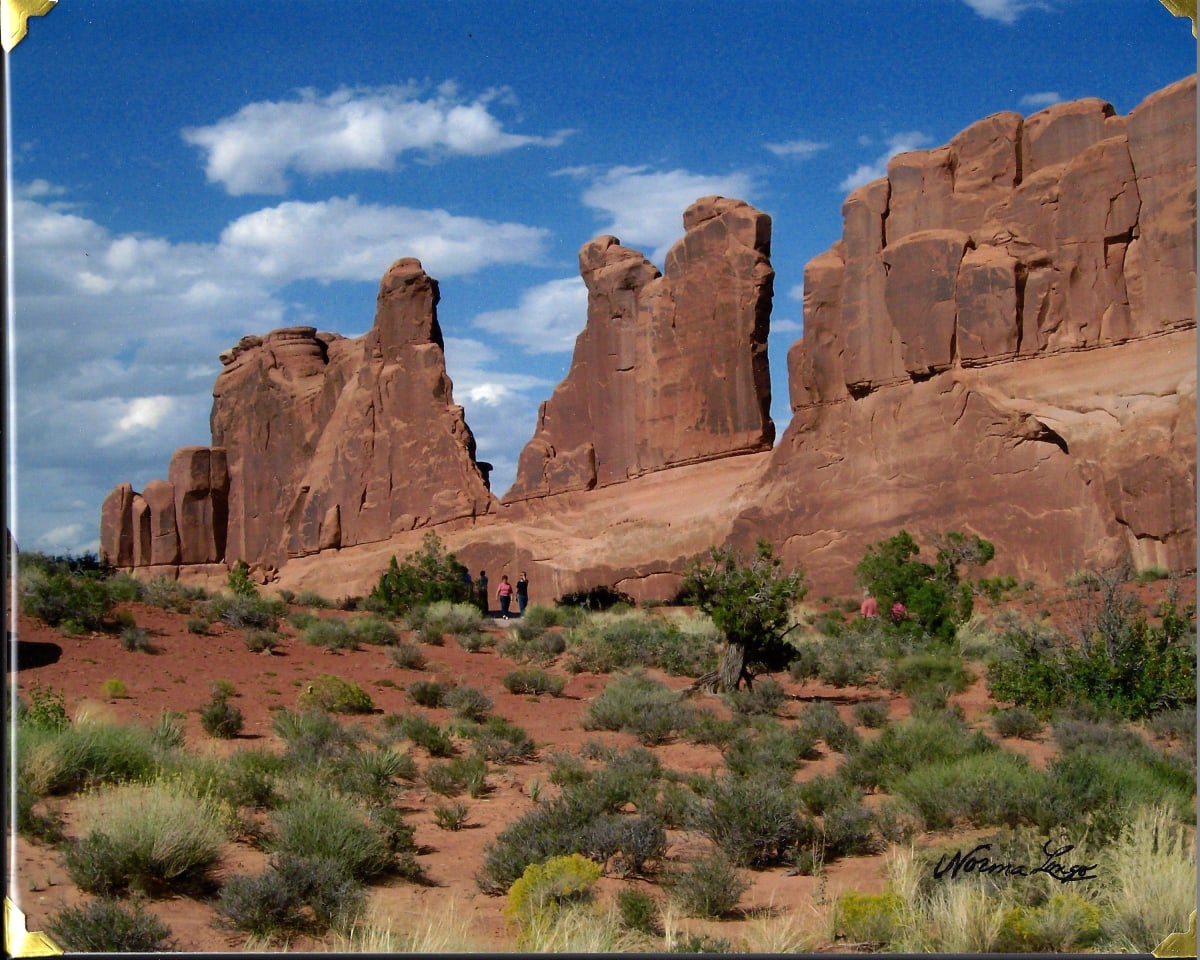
<point>185,176</point>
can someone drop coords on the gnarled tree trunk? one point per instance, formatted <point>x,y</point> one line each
<point>728,674</point>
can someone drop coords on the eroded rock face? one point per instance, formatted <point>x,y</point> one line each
<point>319,442</point>
<point>1003,341</point>
<point>670,369</point>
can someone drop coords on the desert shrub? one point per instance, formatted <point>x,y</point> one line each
<point>983,789</point>
<point>539,897</point>
<point>707,887</point>
<point>145,836</point>
<point>77,602</point>
<point>634,703</point>
<point>871,713</point>
<point>240,610</point>
<point>114,689</point>
<point>310,598</point>
<point>427,576</point>
<point>450,817</point>
<point>302,619</point>
<point>762,699</point>
<point>595,599</point>
<point>331,634</point>
<point>821,721</point>
<point>997,589</point>
<point>423,732</point>
<point>1152,573</point>
<point>220,718</point>
<point>752,822</point>
<point>704,726</point>
<point>447,617</point>
<point>533,681</point>
<point>428,693</point>
<point>627,777</point>
<point>501,741</point>
<point>1179,724</point>
<point>407,656</point>
<point>773,752</point>
<point>109,926</point>
<point>335,695</point>
<point>538,645</point>
<point>1120,662</point>
<point>1065,922</point>
<point>84,754</point>
<point>135,639</point>
<point>920,741</point>
<point>369,774</point>
<point>628,843</point>
<point>869,919</point>
<point>261,641</point>
<point>251,779</point>
<point>821,794</point>
<point>44,826</point>
<point>311,736</point>
<point>615,641</point>
<point>1017,722</point>
<point>452,777</point>
<point>919,671</point>
<point>692,649</point>
<point>553,829</point>
<point>199,626</point>
<point>638,911</point>
<point>239,582</point>
<point>468,702</point>
<point>295,895</point>
<point>897,820</point>
<point>46,709</point>
<point>172,595</point>
<point>319,825</point>
<point>472,641</point>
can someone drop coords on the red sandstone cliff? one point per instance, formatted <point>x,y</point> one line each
<point>670,369</point>
<point>324,442</point>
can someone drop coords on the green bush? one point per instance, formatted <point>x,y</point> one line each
<point>707,887</point>
<point>920,741</point>
<point>331,634</point>
<point>871,713</point>
<point>868,918</point>
<point>452,817</point>
<point>428,693</point>
<point>634,703</point>
<point>752,822</point>
<point>310,598</point>
<point>821,721</point>
<point>638,911</point>
<point>918,671</point>
<point>468,703</point>
<point>311,736</point>
<point>84,754</point>
<point>336,695</point>
<point>261,641</point>
<point>243,611</point>
<point>499,741</point>
<point>239,582</point>
<point>109,926</point>
<point>145,837</point>
<point>423,732</point>
<point>553,829</point>
<point>427,576</point>
<point>1017,722</point>
<point>77,602</point>
<point>1064,923</point>
<point>46,709</point>
<point>451,778</point>
<point>628,843</point>
<point>319,825</point>
<point>823,793</point>
<point>773,752</point>
<point>220,718</point>
<point>407,656</point>
<point>295,895</point>
<point>982,789</point>
<point>533,681</point>
<point>762,699</point>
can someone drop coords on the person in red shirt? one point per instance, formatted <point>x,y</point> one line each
<point>504,594</point>
<point>870,606</point>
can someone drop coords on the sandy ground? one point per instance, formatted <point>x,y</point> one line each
<point>178,675</point>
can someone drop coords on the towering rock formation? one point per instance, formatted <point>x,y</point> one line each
<point>670,369</point>
<point>1004,341</point>
<point>319,442</point>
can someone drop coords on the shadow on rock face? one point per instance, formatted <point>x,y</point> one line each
<point>30,654</point>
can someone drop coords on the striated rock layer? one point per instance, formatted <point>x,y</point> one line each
<point>319,442</point>
<point>1003,341</point>
<point>670,369</point>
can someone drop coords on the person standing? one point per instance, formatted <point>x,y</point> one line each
<point>522,593</point>
<point>504,594</point>
<point>870,606</point>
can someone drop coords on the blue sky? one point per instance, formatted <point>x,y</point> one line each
<point>186,173</point>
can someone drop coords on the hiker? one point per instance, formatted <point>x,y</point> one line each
<point>899,612</point>
<point>482,596</point>
<point>504,594</point>
<point>870,606</point>
<point>522,593</point>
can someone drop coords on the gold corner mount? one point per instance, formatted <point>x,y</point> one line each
<point>20,942</point>
<point>1179,944</point>
<point>14,17</point>
<point>1183,8</point>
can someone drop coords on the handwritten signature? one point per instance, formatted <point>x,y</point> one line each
<point>976,861</point>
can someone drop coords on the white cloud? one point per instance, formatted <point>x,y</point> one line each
<point>645,207</point>
<point>1003,11</point>
<point>547,319</point>
<point>868,172</point>
<point>61,538</point>
<point>341,239</point>
<point>796,292</point>
<point>801,149</point>
<point>1037,101</point>
<point>144,413</point>
<point>350,129</point>
<point>787,325</point>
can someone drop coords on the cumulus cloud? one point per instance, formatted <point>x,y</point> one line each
<point>801,149</point>
<point>547,319</point>
<point>1038,101</point>
<point>868,172</point>
<point>360,128</point>
<point>1003,11</point>
<point>342,239</point>
<point>645,207</point>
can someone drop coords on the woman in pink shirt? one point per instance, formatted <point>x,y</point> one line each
<point>504,594</point>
